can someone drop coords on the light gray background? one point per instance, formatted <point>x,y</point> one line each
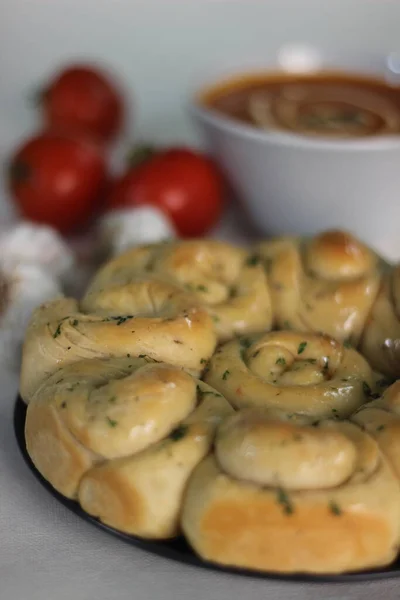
<point>161,50</point>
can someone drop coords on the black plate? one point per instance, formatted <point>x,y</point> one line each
<point>178,549</point>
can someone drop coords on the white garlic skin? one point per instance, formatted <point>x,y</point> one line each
<point>122,229</point>
<point>31,244</point>
<point>23,287</point>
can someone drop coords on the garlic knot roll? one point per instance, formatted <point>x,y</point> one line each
<point>279,494</point>
<point>162,323</point>
<point>122,436</point>
<point>226,281</point>
<point>380,342</point>
<point>309,374</point>
<point>381,419</point>
<point>327,283</point>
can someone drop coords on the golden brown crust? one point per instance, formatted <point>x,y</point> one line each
<point>225,280</point>
<point>300,373</point>
<point>54,451</point>
<point>328,283</point>
<point>122,436</point>
<point>380,342</point>
<point>327,528</point>
<point>60,334</point>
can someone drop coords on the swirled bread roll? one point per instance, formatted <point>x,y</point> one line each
<point>303,373</point>
<point>281,495</point>
<point>381,419</point>
<point>226,280</point>
<point>157,325</point>
<point>380,342</point>
<point>327,283</point>
<point>122,436</point>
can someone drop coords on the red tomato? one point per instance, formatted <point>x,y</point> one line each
<point>58,180</point>
<point>83,100</point>
<point>186,185</point>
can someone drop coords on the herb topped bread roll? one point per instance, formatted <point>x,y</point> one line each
<point>227,281</point>
<point>281,495</point>
<point>381,339</point>
<point>309,374</point>
<point>122,436</point>
<point>326,284</point>
<point>162,323</point>
<point>381,419</point>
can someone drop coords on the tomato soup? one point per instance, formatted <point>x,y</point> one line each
<point>329,104</point>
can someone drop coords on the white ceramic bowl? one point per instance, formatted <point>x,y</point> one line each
<point>294,184</point>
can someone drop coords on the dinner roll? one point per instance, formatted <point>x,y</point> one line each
<point>122,436</point>
<point>227,281</point>
<point>281,495</point>
<point>381,419</point>
<point>303,373</point>
<point>380,342</point>
<point>326,284</point>
<point>145,318</point>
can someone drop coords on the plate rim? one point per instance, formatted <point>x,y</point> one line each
<point>165,548</point>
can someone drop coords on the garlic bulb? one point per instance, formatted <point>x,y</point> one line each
<point>125,228</point>
<point>31,244</point>
<point>22,288</point>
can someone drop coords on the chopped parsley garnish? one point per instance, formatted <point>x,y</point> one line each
<point>128,355</point>
<point>301,348</point>
<point>178,433</point>
<point>280,361</point>
<point>245,342</point>
<point>119,320</point>
<point>286,325</point>
<point>113,399</point>
<point>203,361</point>
<point>347,344</point>
<point>111,422</point>
<point>75,322</point>
<point>57,331</point>
<point>368,392</point>
<point>253,260</point>
<point>216,319</point>
<point>207,392</point>
<point>366,389</point>
<point>202,288</point>
<point>226,374</point>
<point>335,508</point>
<point>380,428</point>
<point>284,500</point>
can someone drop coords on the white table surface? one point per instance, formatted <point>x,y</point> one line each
<point>48,553</point>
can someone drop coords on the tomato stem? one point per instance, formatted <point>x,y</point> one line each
<point>140,154</point>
